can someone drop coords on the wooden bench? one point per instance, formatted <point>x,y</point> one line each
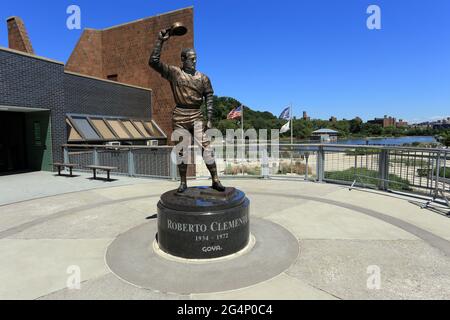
<point>103,168</point>
<point>65,165</point>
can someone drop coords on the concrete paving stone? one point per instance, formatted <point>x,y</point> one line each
<point>33,185</point>
<point>315,220</point>
<point>400,207</point>
<point>71,221</point>
<point>260,207</point>
<point>109,287</point>
<point>140,190</point>
<point>282,287</point>
<point>19,213</point>
<point>33,268</point>
<point>147,205</point>
<point>408,269</point>
<point>105,221</point>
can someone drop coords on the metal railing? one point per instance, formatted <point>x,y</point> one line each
<point>407,169</point>
<point>135,161</point>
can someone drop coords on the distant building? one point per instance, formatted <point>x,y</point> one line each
<point>438,124</point>
<point>401,124</point>
<point>441,126</point>
<point>384,122</point>
<point>333,119</point>
<point>305,116</point>
<point>389,122</point>
<point>424,125</point>
<point>324,135</point>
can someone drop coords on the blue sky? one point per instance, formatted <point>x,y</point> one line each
<point>317,54</point>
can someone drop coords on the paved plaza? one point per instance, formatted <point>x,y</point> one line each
<point>358,244</point>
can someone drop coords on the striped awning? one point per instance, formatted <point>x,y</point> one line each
<point>89,128</point>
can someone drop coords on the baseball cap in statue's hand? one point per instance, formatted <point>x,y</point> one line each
<point>177,29</point>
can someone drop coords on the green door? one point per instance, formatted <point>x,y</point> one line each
<point>39,141</point>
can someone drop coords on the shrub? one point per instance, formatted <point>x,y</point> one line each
<point>368,177</point>
<point>237,169</point>
<point>361,151</point>
<point>423,172</point>
<point>297,167</point>
<point>442,171</point>
<point>409,162</point>
<point>427,172</point>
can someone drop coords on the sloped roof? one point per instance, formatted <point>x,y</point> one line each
<point>83,128</point>
<point>329,131</point>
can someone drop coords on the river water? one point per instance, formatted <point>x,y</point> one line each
<point>389,141</point>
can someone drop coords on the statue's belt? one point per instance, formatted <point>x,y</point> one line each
<point>188,107</point>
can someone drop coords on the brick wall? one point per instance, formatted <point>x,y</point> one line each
<point>126,50</point>
<point>17,36</point>
<point>26,81</point>
<point>87,58</point>
<point>388,122</point>
<point>96,97</point>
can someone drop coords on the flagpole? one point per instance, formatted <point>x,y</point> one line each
<point>292,134</point>
<point>242,139</point>
<point>292,126</point>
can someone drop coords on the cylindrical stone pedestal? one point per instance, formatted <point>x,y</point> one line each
<point>202,223</point>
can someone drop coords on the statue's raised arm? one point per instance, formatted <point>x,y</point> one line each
<point>155,57</point>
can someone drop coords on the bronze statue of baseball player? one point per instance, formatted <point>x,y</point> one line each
<point>189,88</point>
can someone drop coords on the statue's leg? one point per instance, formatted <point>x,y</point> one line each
<point>215,178</point>
<point>208,157</point>
<point>182,169</point>
<point>178,122</point>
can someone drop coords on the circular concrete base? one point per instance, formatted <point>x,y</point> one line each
<point>132,258</point>
<point>246,249</point>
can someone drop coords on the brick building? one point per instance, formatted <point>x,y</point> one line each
<point>401,124</point>
<point>305,116</point>
<point>121,53</point>
<point>384,122</point>
<point>44,103</point>
<point>389,122</point>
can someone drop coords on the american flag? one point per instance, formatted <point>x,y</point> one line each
<point>286,114</point>
<point>236,113</point>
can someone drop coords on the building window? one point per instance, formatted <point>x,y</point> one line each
<point>112,77</point>
<point>85,128</point>
<point>37,134</point>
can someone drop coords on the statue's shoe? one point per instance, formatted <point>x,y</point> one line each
<point>182,188</point>
<point>218,186</point>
